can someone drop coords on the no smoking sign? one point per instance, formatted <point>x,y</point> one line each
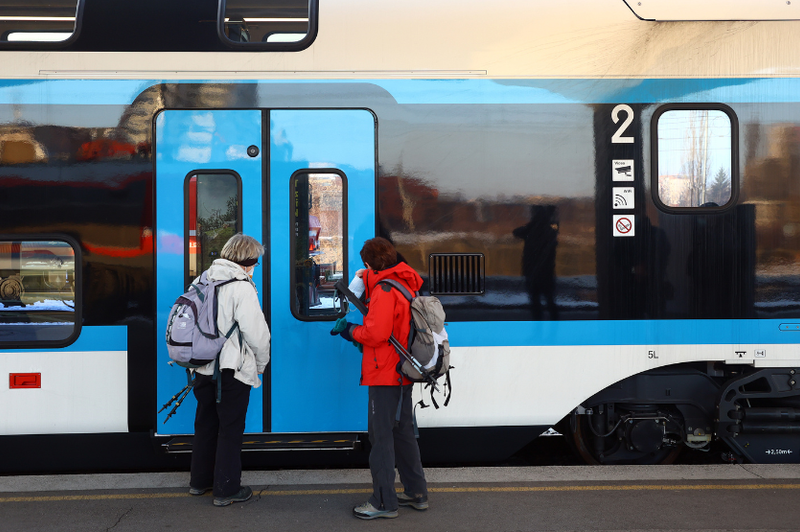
<point>623,225</point>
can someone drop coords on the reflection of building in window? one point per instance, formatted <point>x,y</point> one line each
<point>320,256</point>
<point>20,147</point>
<point>770,182</point>
<point>677,191</point>
<point>673,189</point>
<point>327,211</point>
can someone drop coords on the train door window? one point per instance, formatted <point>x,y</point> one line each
<point>695,156</point>
<point>318,250</point>
<point>290,24</point>
<point>52,21</point>
<point>213,215</point>
<point>38,291</point>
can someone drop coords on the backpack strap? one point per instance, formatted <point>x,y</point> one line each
<point>397,284</point>
<point>412,331</point>
<point>217,378</point>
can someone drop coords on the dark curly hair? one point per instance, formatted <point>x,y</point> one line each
<point>379,253</point>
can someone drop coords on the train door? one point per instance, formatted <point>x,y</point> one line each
<point>303,183</point>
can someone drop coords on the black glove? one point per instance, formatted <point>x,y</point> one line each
<point>347,332</point>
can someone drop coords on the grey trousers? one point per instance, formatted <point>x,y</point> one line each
<point>393,444</point>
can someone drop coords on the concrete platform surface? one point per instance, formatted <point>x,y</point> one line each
<point>620,498</point>
<point>126,481</point>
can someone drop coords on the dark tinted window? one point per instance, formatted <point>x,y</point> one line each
<point>158,25</point>
<point>37,20</point>
<point>37,291</point>
<point>259,22</point>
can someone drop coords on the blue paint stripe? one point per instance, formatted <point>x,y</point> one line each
<point>95,338</point>
<point>622,332</point>
<point>444,91</point>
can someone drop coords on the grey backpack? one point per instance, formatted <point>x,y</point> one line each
<point>427,339</point>
<point>193,338</point>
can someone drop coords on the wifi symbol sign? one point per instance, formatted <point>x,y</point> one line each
<point>623,197</point>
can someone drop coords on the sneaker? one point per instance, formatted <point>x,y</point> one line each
<point>199,491</point>
<point>417,502</point>
<point>240,496</point>
<point>367,511</point>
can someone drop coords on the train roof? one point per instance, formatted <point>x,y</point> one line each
<point>587,39</point>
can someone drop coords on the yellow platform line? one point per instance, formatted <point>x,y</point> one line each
<point>432,489</point>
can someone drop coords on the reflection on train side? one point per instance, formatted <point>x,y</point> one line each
<point>37,290</point>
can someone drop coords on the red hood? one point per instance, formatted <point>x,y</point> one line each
<point>401,272</point>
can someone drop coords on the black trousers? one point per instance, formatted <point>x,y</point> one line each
<point>393,444</point>
<point>218,431</point>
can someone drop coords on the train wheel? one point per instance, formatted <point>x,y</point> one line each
<point>11,288</point>
<point>641,441</point>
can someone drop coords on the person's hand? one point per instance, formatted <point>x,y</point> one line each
<point>360,272</point>
<point>339,326</point>
<point>343,328</point>
<point>347,332</point>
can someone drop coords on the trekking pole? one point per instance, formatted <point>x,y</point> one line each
<point>174,397</point>
<point>180,396</point>
<point>184,393</point>
<point>343,289</point>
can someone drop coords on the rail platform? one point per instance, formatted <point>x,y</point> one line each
<point>490,499</point>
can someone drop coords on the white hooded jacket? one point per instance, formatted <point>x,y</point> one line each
<point>238,302</point>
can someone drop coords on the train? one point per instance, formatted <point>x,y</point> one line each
<point>604,194</point>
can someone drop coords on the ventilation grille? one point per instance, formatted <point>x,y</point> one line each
<point>456,273</point>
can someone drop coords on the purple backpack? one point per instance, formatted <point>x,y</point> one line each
<point>193,339</point>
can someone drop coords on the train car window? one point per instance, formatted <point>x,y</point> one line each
<point>254,24</point>
<point>38,21</point>
<point>318,252</point>
<point>213,215</point>
<point>38,292</point>
<point>695,151</point>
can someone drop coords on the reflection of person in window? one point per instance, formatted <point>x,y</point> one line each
<point>539,259</point>
<point>314,229</point>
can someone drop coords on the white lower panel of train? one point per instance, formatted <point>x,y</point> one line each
<point>64,392</point>
<point>539,385</point>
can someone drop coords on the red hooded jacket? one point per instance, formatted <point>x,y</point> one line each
<point>388,312</point>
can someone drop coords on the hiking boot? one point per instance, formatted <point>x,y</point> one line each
<point>367,511</point>
<point>199,491</point>
<point>417,502</point>
<point>240,496</point>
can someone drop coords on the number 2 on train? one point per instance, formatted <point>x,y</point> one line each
<point>617,138</point>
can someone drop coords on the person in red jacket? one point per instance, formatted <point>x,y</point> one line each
<point>391,429</point>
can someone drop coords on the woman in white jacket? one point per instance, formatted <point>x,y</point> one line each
<point>219,427</point>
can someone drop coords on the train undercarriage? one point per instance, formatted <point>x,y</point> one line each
<point>649,418</point>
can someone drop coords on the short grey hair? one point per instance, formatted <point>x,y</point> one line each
<point>241,248</point>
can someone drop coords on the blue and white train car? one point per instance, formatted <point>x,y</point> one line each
<point>604,194</point>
